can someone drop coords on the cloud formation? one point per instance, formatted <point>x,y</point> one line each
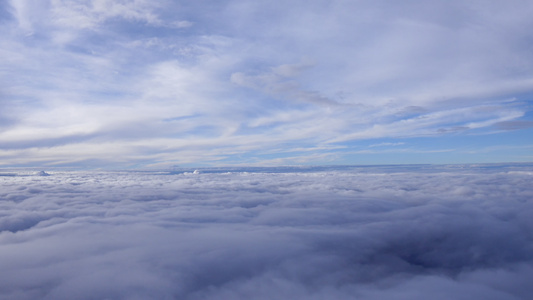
<point>413,232</point>
<point>143,83</point>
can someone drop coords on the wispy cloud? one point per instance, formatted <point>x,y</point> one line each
<point>386,144</point>
<point>244,77</point>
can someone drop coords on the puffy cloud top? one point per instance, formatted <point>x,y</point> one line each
<point>445,232</point>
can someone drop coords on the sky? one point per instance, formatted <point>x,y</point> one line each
<point>366,233</point>
<point>156,84</point>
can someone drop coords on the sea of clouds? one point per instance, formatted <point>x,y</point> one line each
<point>419,232</point>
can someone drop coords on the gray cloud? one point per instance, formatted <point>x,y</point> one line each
<point>514,125</point>
<point>447,232</point>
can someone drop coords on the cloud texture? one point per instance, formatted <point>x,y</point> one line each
<point>156,83</point>
<point>440,232</point>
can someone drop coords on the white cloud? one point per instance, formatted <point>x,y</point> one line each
<point>245,77</point>
<point>91,14</point>
<point>371,232</point>
<point>280,82</point>
<point>386,144</point>
<point>439,122</point>
<point>182,24</point>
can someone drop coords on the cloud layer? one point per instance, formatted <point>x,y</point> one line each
<point>448,232</point>
<point>130,83</point>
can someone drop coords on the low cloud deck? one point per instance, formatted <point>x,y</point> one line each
<point>411,232</point>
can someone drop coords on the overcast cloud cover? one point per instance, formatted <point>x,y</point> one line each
<point>144,83</point>
<point>424,232</point>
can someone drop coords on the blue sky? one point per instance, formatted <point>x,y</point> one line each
<point>153,84</point>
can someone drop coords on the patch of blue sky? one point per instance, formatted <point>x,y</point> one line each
<point>5,14</point>
<point>505,146</point>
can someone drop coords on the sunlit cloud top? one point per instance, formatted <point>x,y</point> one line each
<point>161,83</point>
